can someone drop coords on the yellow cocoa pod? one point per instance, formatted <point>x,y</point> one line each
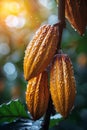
<point>40,51</point>
<point>37,95</point>
<point>75,11</point>
<point>62,84</point>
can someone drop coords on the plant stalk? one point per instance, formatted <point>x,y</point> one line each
<point>61,19</point>
<point>46,122</point>
<point>61,25</point>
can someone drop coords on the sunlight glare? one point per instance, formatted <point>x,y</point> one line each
<point>14,21</point>
<point>11,7</point>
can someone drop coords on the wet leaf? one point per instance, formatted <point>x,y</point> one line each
<point>11,111</point>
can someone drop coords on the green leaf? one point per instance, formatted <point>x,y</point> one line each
<point>12,110</point>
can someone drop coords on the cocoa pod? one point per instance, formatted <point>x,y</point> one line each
<point>75,12</point>
<point>37,95</point>
<point>40,51</point>
<point>62,84</point>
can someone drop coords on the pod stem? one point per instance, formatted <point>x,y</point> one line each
<point>61,19</point>
<point>61,26</point>
<point>46,122</point>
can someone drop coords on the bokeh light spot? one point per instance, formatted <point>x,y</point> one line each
<point>9,68</point>
<point>53,19</point>
<point>4,48</point>
<point>47,3</point>
<point>14,21</point>
<point>10,71</point>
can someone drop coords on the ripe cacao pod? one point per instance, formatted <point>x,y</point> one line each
<point>75,11</point>
<point>62,84</point>
<point>37,95</point>
<point>40,51</point>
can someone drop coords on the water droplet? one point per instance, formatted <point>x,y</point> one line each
<point>75,30</point>
<point>83,34</point>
